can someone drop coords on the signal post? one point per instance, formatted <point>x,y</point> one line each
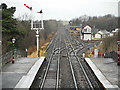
<point>36,26</point>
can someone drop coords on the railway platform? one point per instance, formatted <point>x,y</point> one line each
<point>106,70</point>
<point>22,73</point>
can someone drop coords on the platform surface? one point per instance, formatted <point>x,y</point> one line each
<point>13,73</point>
<point>106,69</point>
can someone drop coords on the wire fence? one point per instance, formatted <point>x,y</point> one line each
<point>6,58</point>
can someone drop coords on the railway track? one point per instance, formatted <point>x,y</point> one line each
<point>91,80</point>
<point>78,77</point>
<point>51,75</point>
<point>64,68</point>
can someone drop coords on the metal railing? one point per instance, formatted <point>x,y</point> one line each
<point>6,58</point>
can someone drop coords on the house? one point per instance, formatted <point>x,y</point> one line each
<point>86,33</point>
<point>102,34</point>
<point>117,29</point>
<point>114,32</point>
<point>94,31</point>
<point>98,35</point>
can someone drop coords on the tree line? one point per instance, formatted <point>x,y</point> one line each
<point>108,22</point>
<point>20,29</point>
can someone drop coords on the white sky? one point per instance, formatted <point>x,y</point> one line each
<point>64,9</point>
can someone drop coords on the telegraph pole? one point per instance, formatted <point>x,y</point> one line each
<point>80,31</point>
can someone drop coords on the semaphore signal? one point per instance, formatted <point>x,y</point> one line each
<point>28,7</point>
<point>40,11</point>
<point>35,28</point>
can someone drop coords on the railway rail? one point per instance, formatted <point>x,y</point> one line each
<point>65,69</point>
<point>51,75</point>
<point>88,74</point>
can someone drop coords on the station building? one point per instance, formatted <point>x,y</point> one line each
<point>86,33</point>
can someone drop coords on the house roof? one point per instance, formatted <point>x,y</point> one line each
<point>86,26</point>
<point>103,32</point>
<point>117,29</point>
<point>113,31</point>
<point>86,29</point>
<point>94,31</point>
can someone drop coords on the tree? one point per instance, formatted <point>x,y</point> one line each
<point>108,22</point>
<point>8,27</point>
<point>20,28</point>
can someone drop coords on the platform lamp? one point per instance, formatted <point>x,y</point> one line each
<point>0,42</point>
<point>118,42</point>
<point>13,41</point>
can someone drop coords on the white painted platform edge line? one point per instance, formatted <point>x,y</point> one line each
<point>19,84</point>
<point>35,66</point>
<point>99,75</point>
<point>30,76</point>
<point>26,80</point>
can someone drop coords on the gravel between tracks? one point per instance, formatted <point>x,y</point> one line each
<point>66,76</point>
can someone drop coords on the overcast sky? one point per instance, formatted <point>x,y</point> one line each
<point>64,9</point>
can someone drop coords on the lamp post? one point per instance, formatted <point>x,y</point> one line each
<point>13,41</point>
<point>118,42</point>
<point>0,42</point>
<point>26,51</point>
